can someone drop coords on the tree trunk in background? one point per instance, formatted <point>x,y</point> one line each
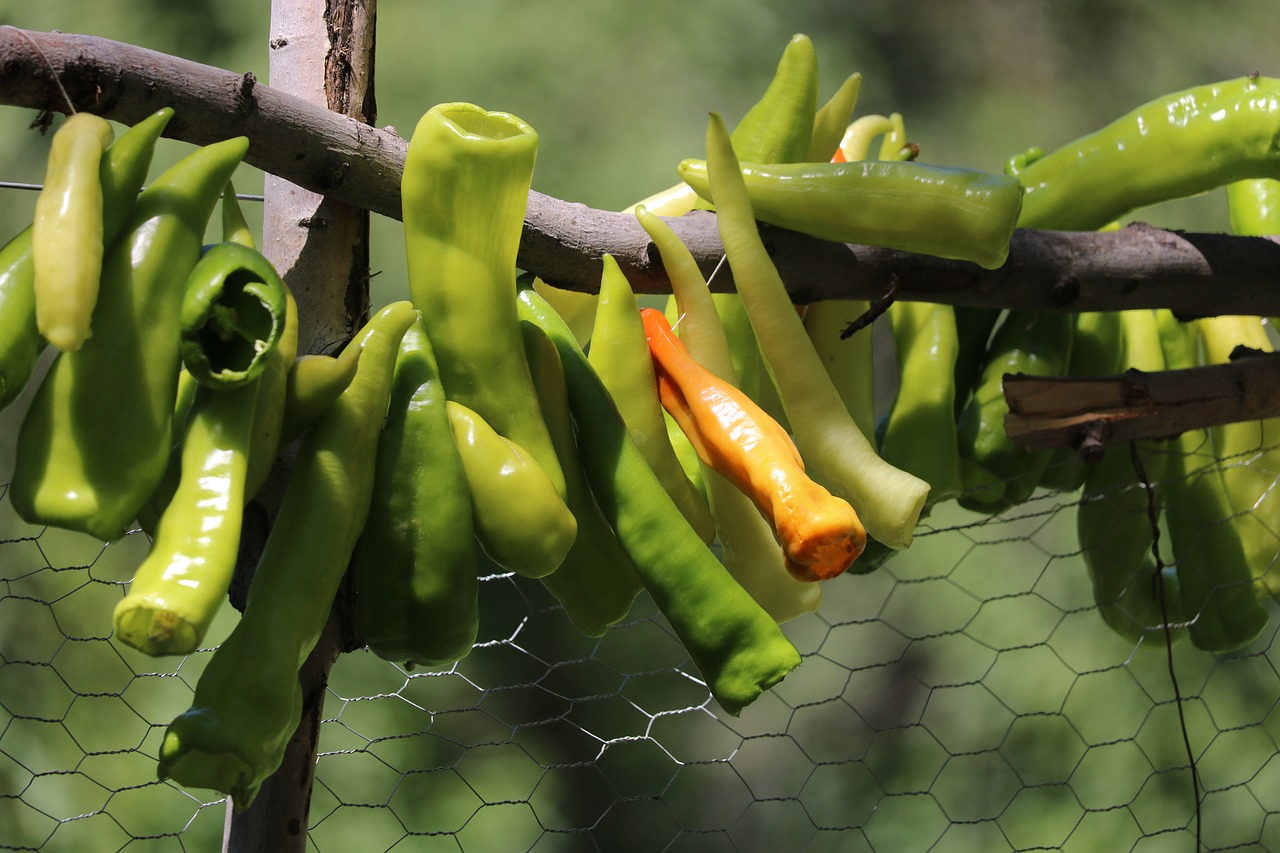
<point>322,51</point>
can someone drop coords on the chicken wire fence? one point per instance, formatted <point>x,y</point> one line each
<point>964,697</point>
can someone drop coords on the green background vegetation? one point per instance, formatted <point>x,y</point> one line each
<point>965,695</point>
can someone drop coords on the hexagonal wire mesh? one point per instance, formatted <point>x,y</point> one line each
<point>966,696</point>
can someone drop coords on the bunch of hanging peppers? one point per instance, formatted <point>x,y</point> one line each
<point>723,456</point>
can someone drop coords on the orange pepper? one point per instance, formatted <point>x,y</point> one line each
<point>820,534</point>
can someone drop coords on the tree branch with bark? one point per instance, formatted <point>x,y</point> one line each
<point>1194,274</point>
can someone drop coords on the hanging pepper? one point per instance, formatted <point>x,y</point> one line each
<point>519,519</point>
<point>66,234</point>
<point>1215,581</point>
<point>96,440</point>
<point>465,189</point>
<point>1248,454</point>
<point>820,534</point>
<point>1118,509</point>
<point>620,357</point>
<point>1178,145</point>
<point>917,207</point>
<point>748,547</point>
<point>920,428</point>
<point>596,583</point>
<point>121,172</point>
<point>832,120</point>
<point>415,564</point>
<point>179,587</point>
<point>232,316</point>
<point>996,473</point>
<point>739,649</point>
<point>312,385</point>
<point>248,701</point>
<point>887,499</point>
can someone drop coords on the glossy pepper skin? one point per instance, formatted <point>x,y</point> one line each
<point>122,170</point>
<point>1178,145</point>
<point>948,212</point>
<point>232,315</point>
<point>738,648</point>
<point>920,431</point>
<point>996,473</point>
<point>596,583</point>
<point>888,500</point>
<point>415,565</point>
<point>620,357</point>
<point>1215,581</point>
<point>312,385</point>
<point>820,534</point>
<point>465,189</point>
<point>748,548</point>
<point>96,440</point>
<point>248,701</point>
<point>179,587</point>
<point>520,521</point>
<point>67,238</point>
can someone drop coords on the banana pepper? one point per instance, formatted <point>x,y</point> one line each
<point>96,441</point>
<point>248,701</point>
<point>121,172</point>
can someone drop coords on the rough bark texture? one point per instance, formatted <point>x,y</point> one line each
<point>348,161</point>
<point>1096,411</point>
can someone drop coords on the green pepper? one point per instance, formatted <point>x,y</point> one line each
<point>465,189</point>
<point>995,473</point>
<point>121,173</point>
<point>1178,145</point>
<point>620,357</point>
<point>232,316</point>
<point>248,701</point>
<point>415,564</point>
<point>596,583</point>
<point>777,129</point>
<point>519,518</point>
<point>1248,455</point>
<point>832,120</point>
<point>1215,580</point>
<point>920,432</point>
<point>748,546</point>
<point>66,235</point>
<point>179,587</point>
<point>313,383</point>
<point>739,649</point>
<point>1118,510</point>
<point>888,499</point>
<point>96,441</point>
<point>917,207</point>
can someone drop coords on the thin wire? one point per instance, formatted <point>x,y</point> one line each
<point>1153,518</point>
<point>57,80</point>
<point>19,185</point>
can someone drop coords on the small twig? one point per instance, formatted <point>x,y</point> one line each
<point>873,313</point>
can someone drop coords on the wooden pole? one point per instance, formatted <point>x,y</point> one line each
<point>321,51</point>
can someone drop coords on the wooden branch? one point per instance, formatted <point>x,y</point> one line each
<point>1076,412</point>
<point>327,153</point>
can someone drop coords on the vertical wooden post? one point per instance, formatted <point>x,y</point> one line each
<point>322,51</point>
